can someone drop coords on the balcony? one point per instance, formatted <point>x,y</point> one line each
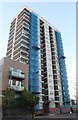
<point>24,51</point>
<point>17,75</point>
<point>17,88</point>
<point>23,45</point>
<point>24,57</point>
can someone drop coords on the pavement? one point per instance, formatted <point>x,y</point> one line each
<point>72,116</point>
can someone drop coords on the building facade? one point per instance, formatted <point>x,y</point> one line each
<point>34,41</point>
<point>13,74</point>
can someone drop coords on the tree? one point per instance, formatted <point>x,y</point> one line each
<point>8,100</point>
<point>9,97</point>
<point>27,100</point>
<point>24,100</point>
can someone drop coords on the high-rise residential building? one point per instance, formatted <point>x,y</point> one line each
<point>34,41</point>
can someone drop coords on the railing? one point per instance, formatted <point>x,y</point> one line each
<point>17,88</point>
<point>17,74</point>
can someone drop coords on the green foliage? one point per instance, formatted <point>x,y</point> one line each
<point>24,99</point>
<point>9,97</point>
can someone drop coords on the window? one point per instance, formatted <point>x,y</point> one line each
<point>46,97</point>
<point>14,82</point>
<point>53,58</point>
<point>53,53</point>
<point>54,66</point>
<point>52,49</point>
<point>46,86</point>
<point>55,82</point>
<point>56,93</point>
<point>43,92</point>
<point>53,62</point>
<point>44,54</point>
<point>55,87</point>
<point>45,69</point>
<point>54,72</point>
<point>42,84</point>
<point>56,98</point>
<point>45,75</point>
<point>44,45</point>
<point>21,83</point>
<point>44,59</point>
<point>55,76</point>
<point>42,78</point>
<point>46,92</point>
<point>45,64</point>
<point>45,80</point>
<point>52,45</point>
<point>43,50</point>
<point>43,98</point>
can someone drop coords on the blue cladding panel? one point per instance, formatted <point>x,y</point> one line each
<point>63,73</point>
<point>33,56</point>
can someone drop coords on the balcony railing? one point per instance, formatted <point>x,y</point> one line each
<point>18,75</point>
<point>17,88</point>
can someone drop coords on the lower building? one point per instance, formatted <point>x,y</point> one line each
<point>13,74</point>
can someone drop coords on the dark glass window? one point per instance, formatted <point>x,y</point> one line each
<point>55,82</point>
<point>56,98</point>
<point>45,74</point>
<point>53,58</point>
<point>53,53</point>
<point>54,66</point>
<point>44,54</point>
<point>42,78</point>
<point>53,62</point>
<point>46,92</point>
<point>46,86</point>
<point>56,93</point>
<point>42,84</point>
<point>55,76</point>
<point>46,97</point>
<point>55,87</point>
<point>45,64</point>
<point>52,45</point>
<point>43,92</point>
<point>44,45</point>
<point>14,82</point>
<point>45,69</point>
<point>43,50</point>
<point>52,49</point>
<point>43,98</point>
<point>45,80</point>
<point>44,59</point>
<point>54,72</point>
